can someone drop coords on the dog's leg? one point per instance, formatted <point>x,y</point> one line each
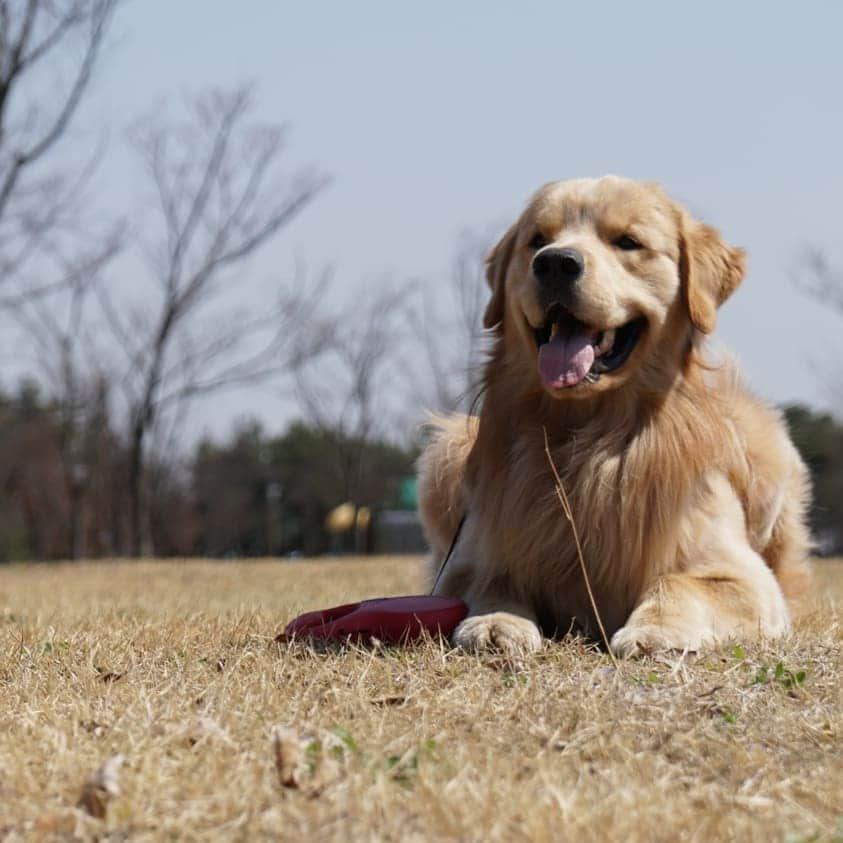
<point>495,621</point>
<point>725,589</point>
<point>510,632</point>
<point>513,632</point>
<point>441,470</point>
<point>692,611</point>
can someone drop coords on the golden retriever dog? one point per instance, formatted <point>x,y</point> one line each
<point>687,494</point>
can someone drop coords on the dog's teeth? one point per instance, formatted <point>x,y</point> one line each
<point>554,328</point>
<point>607,340</point>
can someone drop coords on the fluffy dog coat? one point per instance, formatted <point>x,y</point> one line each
<point>687,493</point>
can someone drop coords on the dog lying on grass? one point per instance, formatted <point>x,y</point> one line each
<point>688,496</point>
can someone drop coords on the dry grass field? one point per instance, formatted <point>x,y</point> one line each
<point>225,734</point>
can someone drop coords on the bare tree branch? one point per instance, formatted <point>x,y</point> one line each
<point>99,16</point>
<point>448,326</point>
<point>345,393</point>
<point>39,206</point>
<point>84,267</point>
<point>821,281</point>
<point>55,327</point>
<point>217,205</point>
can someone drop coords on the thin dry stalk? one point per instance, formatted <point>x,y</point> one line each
<point>566,508</point>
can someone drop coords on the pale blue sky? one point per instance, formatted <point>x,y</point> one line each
<point>438,115</point>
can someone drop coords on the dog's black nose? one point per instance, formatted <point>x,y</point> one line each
<point>558,266</point>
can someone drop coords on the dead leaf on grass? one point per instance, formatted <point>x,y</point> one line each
<point>306,762</point>
<point>388,701</point>
<point>101,787</point>
<point>713,690</point>
<point>205,729</point>
<point>289,754</point>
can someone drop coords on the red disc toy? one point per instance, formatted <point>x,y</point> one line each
<point>394,620</point>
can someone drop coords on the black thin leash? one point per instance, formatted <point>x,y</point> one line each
<point>448,554</point>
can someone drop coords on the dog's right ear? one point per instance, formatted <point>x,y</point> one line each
<point>497,264</point>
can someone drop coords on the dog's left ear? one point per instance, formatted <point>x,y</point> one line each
<point>710,270</point>
<point>497,264</point>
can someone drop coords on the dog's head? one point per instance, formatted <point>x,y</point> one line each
<point>603,278</point>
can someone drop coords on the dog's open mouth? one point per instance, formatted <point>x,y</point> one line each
<point>570,352</point>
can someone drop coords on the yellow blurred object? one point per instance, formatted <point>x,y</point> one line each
<point>345,516</point>
<point>341,518</point>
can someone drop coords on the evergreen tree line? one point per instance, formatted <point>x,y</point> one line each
<point>255,494</point>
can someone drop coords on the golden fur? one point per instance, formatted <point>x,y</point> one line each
<point>687,492</point>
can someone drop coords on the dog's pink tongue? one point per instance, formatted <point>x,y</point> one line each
<point>566,359</point>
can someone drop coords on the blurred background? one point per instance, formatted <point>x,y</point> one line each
<point>241,245</point>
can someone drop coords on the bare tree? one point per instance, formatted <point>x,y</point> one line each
<point>48,52</point>
<point>354,393</point>
<point>449,326</point>
<point>50,252</point>
<point>820,279</point>
<point>218,199</point>
<point>58,329</point>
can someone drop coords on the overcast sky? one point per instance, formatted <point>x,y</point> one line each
<point>435,116</point>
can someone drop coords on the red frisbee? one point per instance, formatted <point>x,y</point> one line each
<point>394,620</point>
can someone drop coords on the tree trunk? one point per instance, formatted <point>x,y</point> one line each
<point>136,496</point>
<point>77,527</point>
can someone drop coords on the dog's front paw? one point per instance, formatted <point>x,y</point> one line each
<point>501,631</point>
<point>642,640</point>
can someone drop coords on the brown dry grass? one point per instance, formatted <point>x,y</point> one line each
<point>173,666</point>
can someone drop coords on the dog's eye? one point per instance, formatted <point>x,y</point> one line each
<point>538,241</point>
<point>627,243</point>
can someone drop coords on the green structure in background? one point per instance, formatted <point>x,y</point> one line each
<point>408,495</point>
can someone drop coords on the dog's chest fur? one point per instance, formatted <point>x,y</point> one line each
<point>629,478</point>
